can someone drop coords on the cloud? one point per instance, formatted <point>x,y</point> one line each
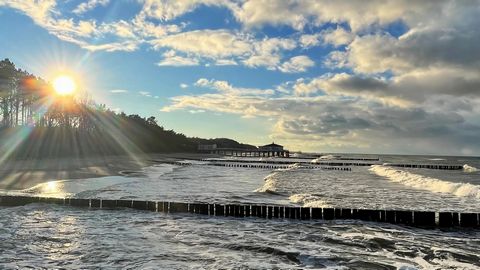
<point>91,4</point>
<point>170,58</point>
<point>416,49</point>
<point>118,91</point>
<point>337,37</point>
<point>207,43</point>
<point>297,64</point>
<point>145,93</point>
<point>225,87</point>
<point>183,85</point>
<point>166,10</point>
<point>225,62</point>
<point>223,47</point>
<point>359,122</point>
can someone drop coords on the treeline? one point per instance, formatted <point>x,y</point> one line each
<point>37,123</point>
<point>223,143</point>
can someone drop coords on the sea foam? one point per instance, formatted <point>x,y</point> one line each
<point>468,168</point>
<point>270,184</point>
<point>426,183</point>
<point>308,200</point>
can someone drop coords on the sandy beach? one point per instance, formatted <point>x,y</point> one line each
<point>22,174</point>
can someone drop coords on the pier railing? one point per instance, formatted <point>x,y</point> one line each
<point>425,219</point>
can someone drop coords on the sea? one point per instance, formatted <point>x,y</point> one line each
<point>42,236</point>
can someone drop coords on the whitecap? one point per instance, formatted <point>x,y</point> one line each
<point>468,168</point>
<point>426,183</point>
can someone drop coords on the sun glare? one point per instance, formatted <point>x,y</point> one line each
<point>64,85</point>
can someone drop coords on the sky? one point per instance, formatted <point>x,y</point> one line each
<point>326,76</point>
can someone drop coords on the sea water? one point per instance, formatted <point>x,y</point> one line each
<point>51,236</point>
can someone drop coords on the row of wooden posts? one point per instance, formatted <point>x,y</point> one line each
<point>412,218</point>
<point>266,166</point>
<point>340,164</point>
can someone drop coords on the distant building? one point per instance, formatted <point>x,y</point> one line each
<point>273,147</point>
<point>207,147</point>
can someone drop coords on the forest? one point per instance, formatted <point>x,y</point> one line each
<point>36,123</point>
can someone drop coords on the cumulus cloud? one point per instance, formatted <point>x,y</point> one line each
<point>297,64</point>
<point>208,43</point>
<point>335,122</point>
<point>170,58</point>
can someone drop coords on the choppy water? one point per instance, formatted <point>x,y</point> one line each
<point>49,236</point>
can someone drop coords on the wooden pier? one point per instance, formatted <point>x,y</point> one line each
<point>424,219</point>
<point>239,152</point>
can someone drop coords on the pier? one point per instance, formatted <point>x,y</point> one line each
<point>269,150</point>
<point>239,152</point>
<point>424,219</point>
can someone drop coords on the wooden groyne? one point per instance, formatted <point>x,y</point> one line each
<point>265,166</point>
<point>427,166</point>
<point>411,218</point>
<point>340,164</point>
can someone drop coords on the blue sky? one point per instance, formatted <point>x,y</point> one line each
<point>331,76</point>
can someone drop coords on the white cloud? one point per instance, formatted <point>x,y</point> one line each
<point>166,10</point>
<point>225,87</point>
<point>118,91</point>
<point>91,4</point>
<point>145,93</point>
<point>183,85</point>
<point>297,64</point>
<point>309,40</point>
<point>226,62</point>
<point>337,37</point>
<point>207,43</point>
<point>170,58</point>
<point>178,61</point>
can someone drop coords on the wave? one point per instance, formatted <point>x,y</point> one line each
<point>427,183</point>
<point>468,168</point>
<point>308,200</point>
<point>326,157</point>
<point>290,167</point>
<point>436,159</point>
<point>270,184</point>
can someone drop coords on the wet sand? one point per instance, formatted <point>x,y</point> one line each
<point>22,174</point>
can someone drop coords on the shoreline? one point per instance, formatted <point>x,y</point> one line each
<point>23,174</point>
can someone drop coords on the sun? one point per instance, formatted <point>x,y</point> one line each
<point>64,85</point>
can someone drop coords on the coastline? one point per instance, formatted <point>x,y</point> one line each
<point>23,174</point>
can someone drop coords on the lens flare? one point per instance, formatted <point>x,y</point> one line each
<point>64,85</point>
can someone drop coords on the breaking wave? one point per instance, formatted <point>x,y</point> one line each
<point>323,158</point>
<point>270,184</point>
<point>309,200</point>
<point>427,183</point>
<point>468,168</point>
<point>290,167</point>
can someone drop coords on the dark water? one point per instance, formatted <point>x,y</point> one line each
<point>47,236</point>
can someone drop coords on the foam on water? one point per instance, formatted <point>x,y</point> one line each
<point>270,184</point>
<point>426,183</point>
<point>308,200</point>
<point>323,158</point>
<point>468,168</point>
